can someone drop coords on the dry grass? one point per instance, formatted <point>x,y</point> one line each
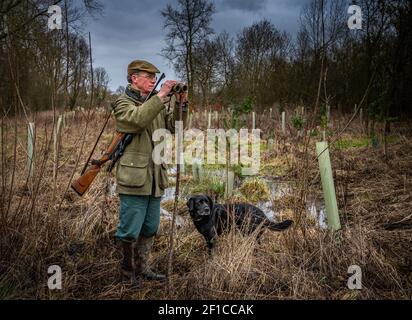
<point>42,225</point>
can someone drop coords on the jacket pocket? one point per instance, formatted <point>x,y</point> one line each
<point>163,179</point>
<point>132,170</point>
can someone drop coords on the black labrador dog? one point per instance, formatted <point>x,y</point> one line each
<point>211,219</point>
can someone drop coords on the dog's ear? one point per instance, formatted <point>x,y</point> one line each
<point>191,204</point>
<point>210,202</point>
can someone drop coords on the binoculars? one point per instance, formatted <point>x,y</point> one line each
<point>178,88</point>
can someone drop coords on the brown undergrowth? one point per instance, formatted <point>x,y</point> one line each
<point>43,225</point>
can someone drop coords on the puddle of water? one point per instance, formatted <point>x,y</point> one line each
<point>171,171</point>
<point>266,207</point>
<point>180,221</point>
<point>315,209</point>
<point>318,211</point>
<point>280,189</point>
<point>169,194</point>
<point>277,189</point>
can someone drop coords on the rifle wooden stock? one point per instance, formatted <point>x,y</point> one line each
<point>85,180</point>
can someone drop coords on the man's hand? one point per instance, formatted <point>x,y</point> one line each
<point>165,89</point>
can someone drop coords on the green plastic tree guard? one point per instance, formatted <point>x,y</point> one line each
<point>322,152</point>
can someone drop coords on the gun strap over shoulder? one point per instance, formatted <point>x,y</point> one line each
<point>135,95</point>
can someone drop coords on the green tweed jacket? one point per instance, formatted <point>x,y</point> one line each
<point>136,172</point>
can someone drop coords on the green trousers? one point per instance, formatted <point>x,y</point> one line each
<point>138,215</point>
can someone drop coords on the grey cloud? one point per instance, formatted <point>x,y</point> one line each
<point>132,29</point>
<point>245,5</point>
<point>283,14</point>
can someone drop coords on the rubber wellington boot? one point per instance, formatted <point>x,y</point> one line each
<point>128,270</point>
<point>143,250</point>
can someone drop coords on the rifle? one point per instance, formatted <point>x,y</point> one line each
<point>113,153</point>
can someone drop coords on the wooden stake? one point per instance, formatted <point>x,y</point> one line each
<point>177,190</point>
<point>271,144</point>
<point>182,165</point>
<point>253,120</point>
<point>30,148</point>
<point>189,125</point>
<point>91,72</point>
<point>2,169</point>
<point>230,182</point>
<point>195,171</point>
<point>328,112</point>
<point>56,144</point>
<point>1,149</point>
<point>328,186</point>
<point>361,118</point>
<point>283,122</point>
<point>200,170</point>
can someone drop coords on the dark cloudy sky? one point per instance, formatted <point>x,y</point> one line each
<point>133,29</point>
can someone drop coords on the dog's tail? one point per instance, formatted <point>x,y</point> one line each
<point>280,226</point>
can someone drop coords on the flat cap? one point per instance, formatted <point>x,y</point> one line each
<point>141,65</point>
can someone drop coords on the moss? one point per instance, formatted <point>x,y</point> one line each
<point>255,190</point>
<point>277,167</point>
<point>392,139</point>
<point>213,166</point>
<point>362,142</point>
<point>211,185</point>
<point>263,147</point>
<point>352,143</point>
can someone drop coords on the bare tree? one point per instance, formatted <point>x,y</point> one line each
<point>51,59</point>
<point>188,26</point>
<point>78,62</point>
<point>205,57</point>
<point>226,60</point>
<point>259,49</point>
<point>322,26</point>
<point>101,80</point>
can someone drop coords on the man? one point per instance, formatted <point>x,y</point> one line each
<point>141,182</point>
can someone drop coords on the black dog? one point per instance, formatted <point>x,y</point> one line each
<point>212,220</point>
